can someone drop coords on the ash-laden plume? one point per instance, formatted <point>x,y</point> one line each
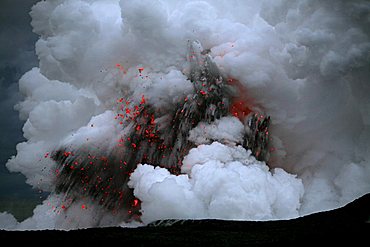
<point>157,138</point>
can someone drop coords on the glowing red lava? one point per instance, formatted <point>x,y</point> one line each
<point>239,105</point>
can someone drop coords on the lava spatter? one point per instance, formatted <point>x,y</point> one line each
<point>150,141</point>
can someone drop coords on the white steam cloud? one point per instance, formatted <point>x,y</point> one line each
<point>304,63</point>
<point>220,182</point>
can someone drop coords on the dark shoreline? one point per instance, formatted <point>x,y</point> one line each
<point>343,225</point>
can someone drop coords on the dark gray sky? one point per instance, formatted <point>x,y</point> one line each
<point>17,56</point>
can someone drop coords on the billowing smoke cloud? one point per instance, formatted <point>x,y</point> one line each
<point>304,63</point>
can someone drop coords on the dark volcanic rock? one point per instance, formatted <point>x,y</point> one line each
<point>345,225</point>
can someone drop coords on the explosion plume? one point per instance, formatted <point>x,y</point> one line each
<point>147,110</point>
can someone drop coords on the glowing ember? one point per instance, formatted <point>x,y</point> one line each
<point>142,100</point>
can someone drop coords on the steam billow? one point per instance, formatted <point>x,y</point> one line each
<point>148,110</point>
<point>156,138</point>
